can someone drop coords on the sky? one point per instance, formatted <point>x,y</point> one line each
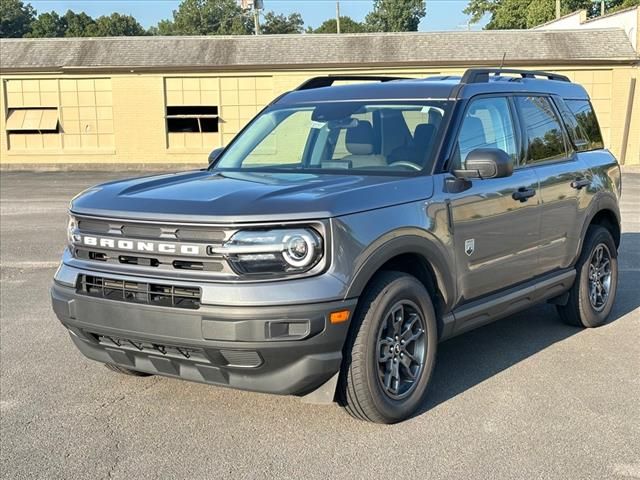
<point>441,14</point>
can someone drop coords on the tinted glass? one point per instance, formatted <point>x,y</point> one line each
<point>545,140</point>
<point>586,129</point>
<point>345,136</point>
<point>487,124</point>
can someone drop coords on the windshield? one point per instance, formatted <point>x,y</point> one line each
<point>347,137</point>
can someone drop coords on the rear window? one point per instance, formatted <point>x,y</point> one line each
<point>545,140</point>
<point>583,125</point>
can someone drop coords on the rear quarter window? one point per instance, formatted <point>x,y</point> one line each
<point>583,125</point>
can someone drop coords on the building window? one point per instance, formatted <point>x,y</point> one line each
<point>33,121</point>
<point>87,114</point>
<point>192,119</point>
<point>203,113</point>
<point>68,114</point>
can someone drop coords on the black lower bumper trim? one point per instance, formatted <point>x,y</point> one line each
<point>177,342</point>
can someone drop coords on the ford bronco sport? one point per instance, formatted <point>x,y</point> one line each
<point>345,232</point>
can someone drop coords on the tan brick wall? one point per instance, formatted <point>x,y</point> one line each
<point>121,118</point>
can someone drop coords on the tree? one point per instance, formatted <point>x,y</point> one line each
<point>347,25</point>
<point>15,18</point>
<point>281,23</point>
<point>165,27</point>
<point>207,17</point>
<point>117,25</point>
<point>79,24</point>
<point>395,15</point>
<point>48,25</point>
<point>530,13</point>
<point>620,4</point>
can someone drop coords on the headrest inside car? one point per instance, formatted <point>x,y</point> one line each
<point>359,140</point>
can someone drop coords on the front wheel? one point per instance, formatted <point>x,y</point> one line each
<point>391,350</point>
<point>594,290</point>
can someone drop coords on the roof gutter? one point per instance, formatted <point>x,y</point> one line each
<point>316,66</point>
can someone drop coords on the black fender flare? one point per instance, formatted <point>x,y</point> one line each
<point>403,241</point>
<point>604,202</point>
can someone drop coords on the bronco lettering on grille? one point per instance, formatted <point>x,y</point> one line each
<point>140,245</point>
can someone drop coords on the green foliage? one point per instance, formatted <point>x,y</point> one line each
<point>279,23</point>
<point>624,4</point>
<point>540,12</point>
<point>530,13</point>
<point>347,25</point>
<point>395,15</point>
<point>78,24</point>
<point>165,27</point>
<point>48,25</point>
<point>478,8</point>
<point>15,18</point>
<point>207,17</point>
<point>612,6</point>
<point>510,14</point>
<point>117,25</point>
<point>82,25</point>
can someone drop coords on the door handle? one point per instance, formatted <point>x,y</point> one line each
<point>580,183</point>
<point>523,194</point>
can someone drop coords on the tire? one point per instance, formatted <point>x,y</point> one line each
<point>126,371</point>
<point>581,310</point>
<point>362,389</point>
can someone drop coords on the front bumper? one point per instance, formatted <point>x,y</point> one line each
<point>289,349</point>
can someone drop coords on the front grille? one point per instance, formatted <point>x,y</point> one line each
<point>174,351</point>
<point>162,263</point>
<point>222,358</point>
<point>147,231</point>
<point>139,292</point>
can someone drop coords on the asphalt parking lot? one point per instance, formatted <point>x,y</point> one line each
<point>524,398</point>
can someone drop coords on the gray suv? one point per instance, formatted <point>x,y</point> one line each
<point>345,232</point>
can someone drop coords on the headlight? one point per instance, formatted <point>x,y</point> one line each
<point>273,251</point>
<point>71,230</point>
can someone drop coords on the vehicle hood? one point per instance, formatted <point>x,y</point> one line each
<point>237,197</point>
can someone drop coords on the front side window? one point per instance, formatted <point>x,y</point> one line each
<point>545,140</point>
<point>486,124</point>
<point>350,137</point>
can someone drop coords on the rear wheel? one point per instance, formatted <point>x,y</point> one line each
<point>126,371</point>
<point>594,290</point>
<point>391,349</point>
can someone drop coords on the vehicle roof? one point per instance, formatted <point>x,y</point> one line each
<point>444,88</point>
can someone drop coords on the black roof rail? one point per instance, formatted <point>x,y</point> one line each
<point>481,75</point>
<point>327,81</point>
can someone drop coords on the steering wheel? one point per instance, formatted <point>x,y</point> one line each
<point>403,163</point>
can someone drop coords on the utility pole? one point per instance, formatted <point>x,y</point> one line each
<point>256,18</point>
<point>256,6</point>
<point>602,7</point>
<point>337,17</point>
<point>558,11</point>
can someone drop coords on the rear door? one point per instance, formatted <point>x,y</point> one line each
<point>495,235</point>
<point>564,180</point>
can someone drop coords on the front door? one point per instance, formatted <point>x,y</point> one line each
<point>495,221</point>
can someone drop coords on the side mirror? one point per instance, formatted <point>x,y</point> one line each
<point>213,156</point>
<point>486,163</point>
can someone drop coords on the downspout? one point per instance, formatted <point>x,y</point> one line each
<point>627,122</point>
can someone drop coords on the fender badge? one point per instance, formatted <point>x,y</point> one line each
<point>469,246</point>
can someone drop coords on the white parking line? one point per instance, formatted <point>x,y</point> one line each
<point>29,264</point>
